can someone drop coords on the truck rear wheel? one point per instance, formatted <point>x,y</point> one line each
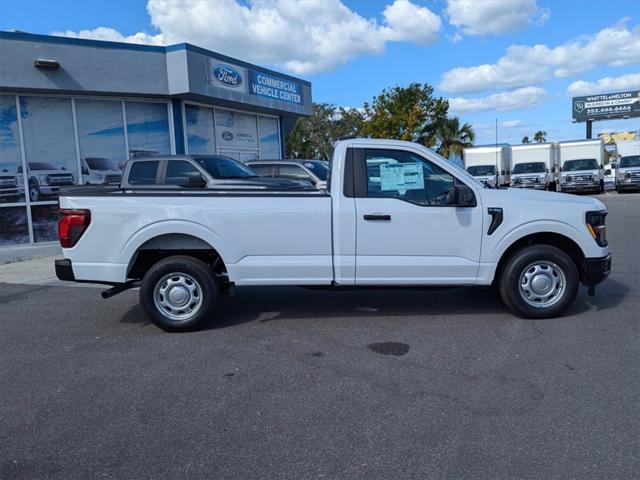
<point>539,281</point>
<point>179,293</point>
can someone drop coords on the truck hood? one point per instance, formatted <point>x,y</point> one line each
<point>50,172</point>
<point>541,201</point>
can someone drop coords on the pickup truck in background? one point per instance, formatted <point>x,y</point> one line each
<point>11,186</point>
<point>628,165</point>
<point>394,214</point>
<point>315,172</point>
<point>46,180</point>
<point>581,166</point>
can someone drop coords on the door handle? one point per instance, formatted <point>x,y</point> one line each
<point>377,217</point>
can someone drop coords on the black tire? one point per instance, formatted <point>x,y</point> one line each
<point>601,186</point>
<point>34,192</point>
<point>522,261</point>
<point>179,276</point>
<point>552,187</point>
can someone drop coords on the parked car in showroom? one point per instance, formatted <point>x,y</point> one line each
<point>11,186</point>
<point>396,214</point>
<point>46,180</point>
<point>100,170</point>
<point>315,172</point>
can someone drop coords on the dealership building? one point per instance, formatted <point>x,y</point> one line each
<point>72,111</point>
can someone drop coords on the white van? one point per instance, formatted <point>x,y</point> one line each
<point>628,165</point>
<point>488,163</point>
<point>534,165</point>
<point>581,166</point>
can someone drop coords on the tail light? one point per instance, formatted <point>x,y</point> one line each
<point>71,225</point>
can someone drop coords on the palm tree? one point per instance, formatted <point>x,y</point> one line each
<point>451,137</point>
<point>525,139</point>
<point>540,136</point>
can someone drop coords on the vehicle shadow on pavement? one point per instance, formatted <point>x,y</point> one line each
<point>268,304</point>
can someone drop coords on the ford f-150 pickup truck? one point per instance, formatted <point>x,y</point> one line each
<point>394,214</point>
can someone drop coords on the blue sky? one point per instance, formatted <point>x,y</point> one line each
<point>351,50</point>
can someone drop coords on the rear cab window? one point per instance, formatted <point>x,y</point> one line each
<point>179,172</point>
<point>143,172</point>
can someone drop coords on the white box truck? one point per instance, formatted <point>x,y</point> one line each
<point>534,165</point>
<point>486,162</point>
<point>628,165</point>
<point>582,166</point>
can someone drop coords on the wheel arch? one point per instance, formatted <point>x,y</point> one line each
<point>554,239</point>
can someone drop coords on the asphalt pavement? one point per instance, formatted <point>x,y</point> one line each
<point>300,384</point>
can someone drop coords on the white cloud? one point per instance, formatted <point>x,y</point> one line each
<point>521,98</point>
<point>494,17</point>
<point>305,37</point>
<point>630,81</point>
<point>511,123</point>
<point>528,65</point>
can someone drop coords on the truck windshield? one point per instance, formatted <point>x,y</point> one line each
<point>580,164</point>
<point>480,170</point>
<point>41,166</point>
<point>100,164</point>
<point>320,168</point>
<point>630,161</point>
<point>223,168</point>
<point>535,167</point>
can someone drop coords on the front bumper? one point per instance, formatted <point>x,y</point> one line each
<point>64,270</point>
<point>595,270</point>
<point>534,186</point>
<point>627,185</point>
<point>580,187</point>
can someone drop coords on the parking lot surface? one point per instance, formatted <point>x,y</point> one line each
<point>300,384</point>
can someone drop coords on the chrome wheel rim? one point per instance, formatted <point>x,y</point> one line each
<point>542,284</point>
<point>33,194</point>
<point>178,296</point>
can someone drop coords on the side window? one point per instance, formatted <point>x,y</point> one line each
<point>179,172</point>
<point>143,173</point>
<point>406,176</point>
<point>294,171</point>
<point>264,170</point>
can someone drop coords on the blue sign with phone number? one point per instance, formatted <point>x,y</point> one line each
<point>268,86</point>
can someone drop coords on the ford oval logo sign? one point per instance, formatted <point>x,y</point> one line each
<point>228,76</point>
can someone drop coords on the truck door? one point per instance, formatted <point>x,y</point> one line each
<point>406,233</point>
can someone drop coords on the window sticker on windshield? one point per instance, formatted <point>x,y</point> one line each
<point>401,177</point>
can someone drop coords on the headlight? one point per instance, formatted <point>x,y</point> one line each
<point>42,178</point>
<point>595,224</point>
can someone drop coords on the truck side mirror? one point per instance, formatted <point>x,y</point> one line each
<point>461,196</point>
<point>614,165</point>
<point>553,170</point>
<point>196,182</point>
<point>601,166</point>
<point>502,172</point>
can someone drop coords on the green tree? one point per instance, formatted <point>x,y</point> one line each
<point>314,136</point>
<point>451,138</point>
<point>540,136</point>
<point>405,113</point>
<point>525,139</point>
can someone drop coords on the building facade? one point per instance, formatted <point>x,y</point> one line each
<point>72,111</point>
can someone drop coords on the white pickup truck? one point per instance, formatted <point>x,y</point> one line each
<point>394,214</point>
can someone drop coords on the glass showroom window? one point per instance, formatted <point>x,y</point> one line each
<point>235,130</point>
<point>269,138</point>
<point>14,225</point>
<point>11,182</point>
<point>101,140</point>
<point>147,129</point>
<point>199,121</point>
<point>49,146</point>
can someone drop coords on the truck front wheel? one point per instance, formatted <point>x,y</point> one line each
<point>179,293</point>
<point>539,281</point>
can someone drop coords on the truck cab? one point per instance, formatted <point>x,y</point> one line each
<point>628,165</point>
<point>582,166</point>
<point>534,166</point>
<point>489,164</point>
